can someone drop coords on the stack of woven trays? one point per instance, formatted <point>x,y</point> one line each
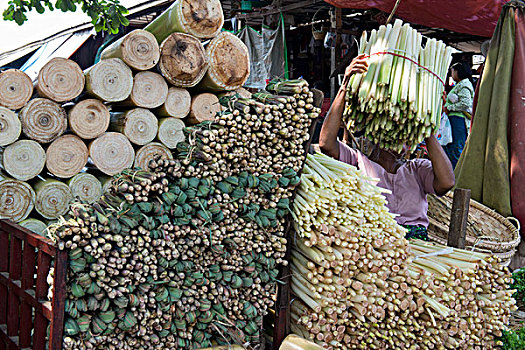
<point>487,231</point>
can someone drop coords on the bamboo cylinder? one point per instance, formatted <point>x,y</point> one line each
<point>17,200</point>
<point>229,64</point>
<point>148,153</point>
<point>203,107</point>
<point>43,120</point>
<point>111,153</point>
<point>150,90</point>
<point>139,125</point>
<point>138,49</point>
<point>52,198</point>
<point>24,159</point>
<point>34,225</point>
<point>170,132</point>
<point>201,18</point>
<point>110,80</point>
<point>10,127</point>
<point>16,89</point>
<point>66,156</point>
<point>177,105</point>
<point>183,60</point>
<point>60,80</point>
<point>86,187</point>
<point>89,119</point>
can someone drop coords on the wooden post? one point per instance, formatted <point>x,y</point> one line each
<point>459,218</point>
<point>336,19</point>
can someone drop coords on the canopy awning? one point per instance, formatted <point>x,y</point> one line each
<point>476,17</point>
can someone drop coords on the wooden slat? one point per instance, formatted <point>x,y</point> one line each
<point>13,311</point>
<point>39,336</point>
<point>59,301</point>
<point>15,258</point>
<point>26,325</point>
<point>28,267</point>
<point>4,250</point>
<point>43,265</point>
<point>3,303</point>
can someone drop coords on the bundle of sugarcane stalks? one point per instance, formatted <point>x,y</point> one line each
<point>186,254</point>
<point>360,285</point>
<point>398,100</point>
<point>115,115</point>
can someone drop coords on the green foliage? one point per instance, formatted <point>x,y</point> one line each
<point>106,15</point>
<point>519,285</point>
<point>513,340</point>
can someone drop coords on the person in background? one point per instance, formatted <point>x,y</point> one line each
<point>409,181</point>
<point>321,100</point>
<point>458,107</point>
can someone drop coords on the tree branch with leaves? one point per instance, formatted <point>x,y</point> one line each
<point>106,15</point>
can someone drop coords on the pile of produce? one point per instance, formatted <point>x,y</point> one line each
<point>359,284</point>
<point>82,127</point>
<point>399,99</point>
<point>185,254</point>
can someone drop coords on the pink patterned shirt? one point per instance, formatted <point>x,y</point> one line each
<point>409,185</point>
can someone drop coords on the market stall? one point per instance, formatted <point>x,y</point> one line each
<point>182,212</point>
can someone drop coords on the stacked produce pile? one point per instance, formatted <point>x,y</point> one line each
<point>399,99</point>
<point>359,284</point>
<point>186,254</point>
<point>81,128</point>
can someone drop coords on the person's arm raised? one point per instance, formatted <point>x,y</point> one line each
<point>332,123</point>
<point>444,178</point>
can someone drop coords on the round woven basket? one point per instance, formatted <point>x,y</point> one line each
<point>486,229</point>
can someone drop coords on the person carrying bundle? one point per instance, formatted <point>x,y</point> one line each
<point>409,181</point>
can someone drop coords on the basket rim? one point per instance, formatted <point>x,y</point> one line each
<point>486,242</point>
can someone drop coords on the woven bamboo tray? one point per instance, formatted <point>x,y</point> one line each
<point>486,229</point>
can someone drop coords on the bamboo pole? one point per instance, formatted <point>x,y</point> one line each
<point>150,90</point>
<point>183,60</point>
<point>203,107</point>
<point>229,64</point>
<point>66,156</point>
<point>16,89</point>
<point>177,105</point>
<point>60,80</point>
<point>111,153</point>
<point>138,49</point>
<point>171,132</point>
<point>109,80</point>
<point>35,225</point>
<point>52,198</point>
<point>200,18</point>
<point>24,159</point>
<point>89,119</point>
<point>17,200</point>
<point>150,152</point>
<point>43,120</point>
<point>139,125</point>
<point>10,127</point>
<point>86,187</point>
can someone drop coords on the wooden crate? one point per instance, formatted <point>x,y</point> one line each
<point>25,312</point>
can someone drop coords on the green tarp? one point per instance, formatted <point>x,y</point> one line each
<point>484,165</point>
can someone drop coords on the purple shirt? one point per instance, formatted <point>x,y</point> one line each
<point>409,185</point>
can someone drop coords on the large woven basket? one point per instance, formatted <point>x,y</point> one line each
<point>487,231</point>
